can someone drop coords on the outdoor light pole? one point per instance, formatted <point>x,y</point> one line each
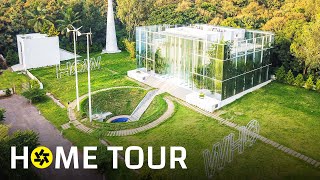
<point>75,31</point>
<point>89,41</point>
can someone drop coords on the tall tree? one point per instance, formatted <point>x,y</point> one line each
<point>306,46</point>
<point>69,18</point>
<point>38,18</point>
<point>134,13</point>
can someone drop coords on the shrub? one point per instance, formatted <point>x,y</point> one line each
<point>34,84</point>
<point>299,81</point>
<point>35,95</point>
<point>104,159</point>
<point>130,47</point>
<point>12,57</point>
<point>2,111</point>
<point>290,78</point>
<point>281,74</point>
<point>318,85</point>
<point>8,92</point>
<point>309,83</point>
<point>19,139</point>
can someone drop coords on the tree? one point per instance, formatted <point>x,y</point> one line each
<point>2,111</point>
<point>160,63</point>
<point>306,46</point>
<point>309,83</point>
<point>69,18</point>
<point>299,81</point>
<point>38,19</point>
<point>35,95</point>
<point>53,32</point>
<point>130,47</point>
<point>318,85</point>
<point>281,74</point>
<point>19,139</point>
<point>290,78</point>
<point>134,13</point>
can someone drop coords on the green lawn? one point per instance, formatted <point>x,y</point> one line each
<point>287,114</point>
<point>65,89</point>
<point>3,131</point>
<point>116,101</point>
<point>12,79</point>
<point>196,132</point>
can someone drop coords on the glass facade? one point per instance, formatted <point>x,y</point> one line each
<point>225,61</point>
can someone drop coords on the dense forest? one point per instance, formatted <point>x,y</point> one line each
<point>296,23</point>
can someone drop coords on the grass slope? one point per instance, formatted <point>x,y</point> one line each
<point>12,79</point>
<point>116,101</point>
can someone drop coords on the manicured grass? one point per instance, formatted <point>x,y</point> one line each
<point>12,79</point>
<point>116,101</point>
<point>79,138</point>
<point>196,133</point>
<point>287,114</point>
<point>3,131</point>
<point>112,73</point>
<point>52,112</point>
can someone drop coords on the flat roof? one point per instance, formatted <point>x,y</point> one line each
<point>32,36</point>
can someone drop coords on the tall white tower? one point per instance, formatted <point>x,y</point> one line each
<point>111,39</point>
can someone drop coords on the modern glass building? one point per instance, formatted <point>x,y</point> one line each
<point>223,60</point>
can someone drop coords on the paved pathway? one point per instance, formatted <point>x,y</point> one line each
<point>55,100</point>
<point>21,115</point>
<point>261,138</point>
<point>151,125</point>
<point>143,105</point>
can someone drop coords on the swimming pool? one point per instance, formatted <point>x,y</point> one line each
<point>121,119</point>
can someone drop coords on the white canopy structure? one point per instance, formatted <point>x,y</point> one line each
<point>38,50</point>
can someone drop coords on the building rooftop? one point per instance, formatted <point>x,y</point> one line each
<point>32,36</point>
<point>213,33</point>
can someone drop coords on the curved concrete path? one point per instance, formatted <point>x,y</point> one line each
<point>21,115</point>
<point>127,132</point>
<point>151,125</point>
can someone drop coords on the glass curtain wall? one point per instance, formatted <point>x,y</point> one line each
<point>224,68</point>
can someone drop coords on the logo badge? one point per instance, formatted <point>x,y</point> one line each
<point>41,157</point>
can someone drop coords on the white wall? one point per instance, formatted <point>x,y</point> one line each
<point>40,52</point>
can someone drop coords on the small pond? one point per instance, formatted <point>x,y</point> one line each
<point>120,119</point>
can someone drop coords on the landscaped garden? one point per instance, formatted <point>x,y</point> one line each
<point>282,110</point>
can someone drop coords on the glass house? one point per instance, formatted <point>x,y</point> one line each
<point>222,60</point>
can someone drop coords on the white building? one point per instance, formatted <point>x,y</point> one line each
<point>37,50</point>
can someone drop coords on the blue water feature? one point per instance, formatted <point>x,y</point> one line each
<point>121,119</point>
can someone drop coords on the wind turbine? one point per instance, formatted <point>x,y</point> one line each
<point>89,40</point>
<point>75,31</point>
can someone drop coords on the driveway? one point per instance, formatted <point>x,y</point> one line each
<point>21,115</point>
